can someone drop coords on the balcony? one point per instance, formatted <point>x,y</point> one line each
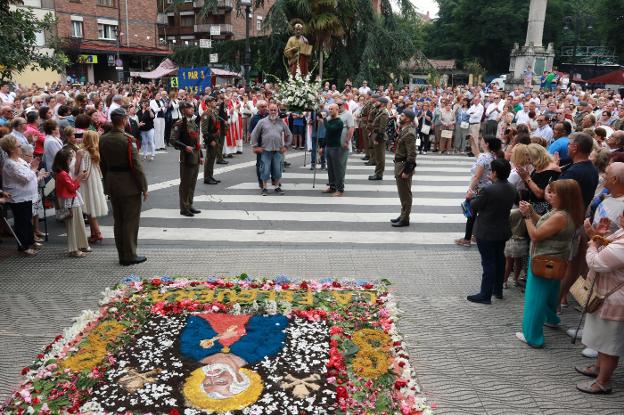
<point>226,29</point>
<point>161,19</point>
<point>222,4</point>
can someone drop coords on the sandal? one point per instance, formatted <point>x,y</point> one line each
<point>77,254</point>
<point>594,388</point>
<point>589,371</point>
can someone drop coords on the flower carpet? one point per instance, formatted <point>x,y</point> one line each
<point>228,346</point>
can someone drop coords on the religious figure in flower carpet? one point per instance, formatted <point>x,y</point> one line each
<point>224,345</point>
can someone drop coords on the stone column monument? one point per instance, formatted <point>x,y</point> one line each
<point>532,54</point>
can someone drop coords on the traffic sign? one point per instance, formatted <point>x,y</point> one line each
<point>205,43</point>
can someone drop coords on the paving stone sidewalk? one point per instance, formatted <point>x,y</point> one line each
<point>466,356</point>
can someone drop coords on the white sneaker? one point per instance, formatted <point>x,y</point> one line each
<point>572,333</point>
<point>591,353</point>
<point>520,336</point>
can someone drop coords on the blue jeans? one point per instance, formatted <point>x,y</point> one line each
<point>271,166</point>
<point>493,263</point>
<point>315,143</point>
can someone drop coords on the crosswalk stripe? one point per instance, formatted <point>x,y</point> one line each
<point>308,216</point>
<point>309,175</point>
<point>464,170</point>
<point>403,236</point>
<point>176,182</point>
<point>425,159</point>
<point>361,187</point>
<point>319,200</point>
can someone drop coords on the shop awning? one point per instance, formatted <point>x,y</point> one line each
<point>611,78</point>
<point>165,68</point>
<point>223,72</point>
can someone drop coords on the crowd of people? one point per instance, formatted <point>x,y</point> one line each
<point>544,203</point>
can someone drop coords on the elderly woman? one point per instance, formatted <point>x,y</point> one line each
<point>19,179</point>
<point>604,328</point>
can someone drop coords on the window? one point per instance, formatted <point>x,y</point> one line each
<point>40,39</point>
<point>188,20</point>
<point>171,20</point>
<point>259,23</point>
<point>107,31</point>
<point>107,3</point>
<point>76,28</point>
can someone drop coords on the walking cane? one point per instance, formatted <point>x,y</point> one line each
<point>12,232</point>
<point>45,218</point>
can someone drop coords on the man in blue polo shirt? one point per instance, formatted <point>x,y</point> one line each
<point>561,132</point>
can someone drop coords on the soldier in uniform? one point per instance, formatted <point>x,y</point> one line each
<point>364,116</point>
<point>124,183</point>
<point>404,164</point>
<point>370,143</point>
<point>379,137</point>
<point>185,137</point>
<point>210,128</point>
<point>223,127</point>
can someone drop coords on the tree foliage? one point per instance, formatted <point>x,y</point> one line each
<point>356,42</point>
<point>486,30</point>
<point>18,47</point>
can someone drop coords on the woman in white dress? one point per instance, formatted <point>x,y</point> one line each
<point>158,107</point>
<point>91,188</point>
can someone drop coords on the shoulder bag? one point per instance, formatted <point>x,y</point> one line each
<point>65,212</point>
<point>425,129</point>
<point>595,300</point>
<point>549,267</point>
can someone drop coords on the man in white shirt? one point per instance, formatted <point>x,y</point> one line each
<point>61,99</point>
<point>19,128</point>
<point>543,130</point>
<point>522,116</point>
<point>476,113</point>
<point>364,89</point>
<point>491,114</point>
<point>117,102</point>
<point>348,125</point>
<point>6,96</point>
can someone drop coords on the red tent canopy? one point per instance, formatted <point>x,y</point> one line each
<point>613,78</point>
<point>165,68</point>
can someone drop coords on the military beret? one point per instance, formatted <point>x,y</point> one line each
<point>184,105</point>
<point>583,104</point>
<point>409,114</point>
<point>375,96</point>
<point>383,100</point>
<point>209,98</point>
<point>119,112</point>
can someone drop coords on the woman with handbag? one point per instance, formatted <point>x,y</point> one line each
<point>604,323</point>
<point>71,203</point>
<point>551,243</point>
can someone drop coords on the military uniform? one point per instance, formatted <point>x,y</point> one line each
<point>405,162</point>
<point>185,133</point>
<point>370,143</point>
<point>124,182</point>
<point>210,129</point>
<point>364,116</point>
<point>379,137</point>
<point>578,120</point>
<point>222,117</point>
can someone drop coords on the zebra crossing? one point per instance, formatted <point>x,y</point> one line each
<point>304,215</point>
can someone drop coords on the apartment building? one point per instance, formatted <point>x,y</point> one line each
<point>185,25</point>
<point>108,39</point>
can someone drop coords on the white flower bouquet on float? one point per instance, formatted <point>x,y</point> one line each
<point>299,93</point>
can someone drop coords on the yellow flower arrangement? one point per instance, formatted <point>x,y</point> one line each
<point>371,339</point>
<point>370,364</point>
<point>93,351</point>
<point>197,398</point>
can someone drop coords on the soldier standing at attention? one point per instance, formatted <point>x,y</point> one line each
<point>404,164</point>
<point>370,143</point>
<point>185,137</point>
<point>379,137</point>
<point>124,182</point>
<point>210,128</point>
<point>363,121</point>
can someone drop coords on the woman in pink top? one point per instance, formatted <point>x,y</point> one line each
<point>99,117</point>
<point>36,136</point>
<point>604,329</point>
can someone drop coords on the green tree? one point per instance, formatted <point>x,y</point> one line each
<point>18,48</point>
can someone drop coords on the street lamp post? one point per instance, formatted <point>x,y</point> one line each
<point>247,59</point>
<point>578,22</point>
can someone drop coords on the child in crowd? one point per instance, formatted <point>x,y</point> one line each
<point>516,248</point>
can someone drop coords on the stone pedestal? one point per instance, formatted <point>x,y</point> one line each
<point>532,54</point>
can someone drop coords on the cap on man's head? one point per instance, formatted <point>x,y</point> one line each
<point>383,100</point>
<point>409,114</point>
<point>119,112</point>
<point>583,104</point>
<point>374,96</point>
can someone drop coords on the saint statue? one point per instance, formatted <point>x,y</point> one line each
<point>298,51</point>
<point>224,345</point>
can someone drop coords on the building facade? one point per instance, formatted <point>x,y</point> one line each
<point>107,39</point>
<point>40,9</point>
<point>184,25</point>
